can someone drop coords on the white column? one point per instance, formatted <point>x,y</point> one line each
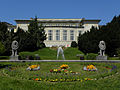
<point>54,35</point>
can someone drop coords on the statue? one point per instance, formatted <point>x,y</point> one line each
<point>102,47</point>
<point>14,48</point>
<point>60,50</point>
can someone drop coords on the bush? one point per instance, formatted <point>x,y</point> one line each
<point>2,48</point>
<point>4,57</point>
<point>74,44</point>
<point>28,56</point>
<point>118,52</point>
<point>91,56</point>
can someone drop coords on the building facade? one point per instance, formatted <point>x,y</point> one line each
<point>61,31</point>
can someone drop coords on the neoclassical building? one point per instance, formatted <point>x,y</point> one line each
<point>61,31</point>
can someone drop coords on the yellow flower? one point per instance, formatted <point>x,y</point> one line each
<point>90,67</point>
<point>61,79</point>
<point>55,70</point>
<point>64,66</point>
<point>86,78</point>
<point>40,79</point>
<point>33,66</point>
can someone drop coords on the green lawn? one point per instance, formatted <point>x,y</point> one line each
<point>16,77</point>
<point>51,54</point>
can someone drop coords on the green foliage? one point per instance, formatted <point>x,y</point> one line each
<point>88,42</point>
<point>31,40</point>
<point>74,44</point>
<point>118,52</point>
<point>25,55</point>
<point>2,48</point>
<point>51,54</point>
<point>3,31</point>
<point>16,77</point>
<point>91,56</point>
<point>4,37</point>
<point>4,57</point>
<point>110,33</point>
<point>37,34</point>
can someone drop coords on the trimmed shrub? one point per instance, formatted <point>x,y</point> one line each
<point>74,44</point>
<point>4,57</point>
<point>28,56</point>
<point>91,56</point>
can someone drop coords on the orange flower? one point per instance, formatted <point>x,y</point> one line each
<point>33,66</point>
<point>89,79</point>
<point>64,66</point>
<point>37,79</point>
<point>90,67</point>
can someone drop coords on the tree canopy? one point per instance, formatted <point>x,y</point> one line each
<point>110,33</point>
<point>31,40</point>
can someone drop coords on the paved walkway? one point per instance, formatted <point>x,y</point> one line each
<point>112,61</point>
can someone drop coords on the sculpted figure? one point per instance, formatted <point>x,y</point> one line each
<point>60,50</point>
<point>102,47</point>
<point>14,48</point>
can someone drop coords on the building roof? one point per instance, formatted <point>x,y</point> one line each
<point>59,20</point>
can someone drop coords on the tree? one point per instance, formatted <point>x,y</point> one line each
<point>74,44</point>
<point>3,30</point>
<point>88,42</point>
<point>37,34</point>
<point>22,37</point>
<point>5,37</point>
<point>2,48</point>
<point>110,33</point>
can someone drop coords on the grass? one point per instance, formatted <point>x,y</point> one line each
<point>14,76</point>
<point>113,58</point>
<point>51,54</point>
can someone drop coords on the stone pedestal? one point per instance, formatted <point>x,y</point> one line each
<point>14,57</point>
<point>101,58</point>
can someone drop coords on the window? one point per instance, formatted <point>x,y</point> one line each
<point>71,34</point>
<point>50,35</point>
<point>57,34</point>
<point>65,35</point>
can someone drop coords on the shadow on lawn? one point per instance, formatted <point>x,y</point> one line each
<point>4,66</point>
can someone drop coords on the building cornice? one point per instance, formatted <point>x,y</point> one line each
<point>60,20</point>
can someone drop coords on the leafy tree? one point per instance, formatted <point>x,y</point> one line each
<point>88,42</point>
<point>110,33</point>
<point>74,44</point>
<point>2,48</point>
<point>3,30</point>
<point>5,37</point>
<point>37,34</point>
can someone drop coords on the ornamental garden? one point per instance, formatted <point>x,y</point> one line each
<point>58,75</point>
<point>22,75</point>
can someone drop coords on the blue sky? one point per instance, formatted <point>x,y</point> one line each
<point>89,9</point>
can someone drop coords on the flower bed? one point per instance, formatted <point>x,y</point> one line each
<point>62,80</point>
<point>62,69</point>
<point>64,66</point>
<point>90,68</point>
<point>33,67</point>
<point>111,67</point>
